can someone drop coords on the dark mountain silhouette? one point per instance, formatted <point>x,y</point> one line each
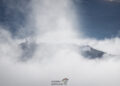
<point>90,52</point>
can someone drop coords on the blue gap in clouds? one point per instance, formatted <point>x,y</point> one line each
<point>11,14</point>
<point>100,19</point>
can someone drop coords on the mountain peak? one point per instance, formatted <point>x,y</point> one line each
<point>91,53</point>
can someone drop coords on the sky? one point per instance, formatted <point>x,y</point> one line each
<point>100,18</point>
<point>41,41</point>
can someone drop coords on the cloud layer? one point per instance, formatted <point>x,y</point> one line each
<point>51,53</point>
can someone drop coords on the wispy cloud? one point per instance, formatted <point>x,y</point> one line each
<point>51,53</point>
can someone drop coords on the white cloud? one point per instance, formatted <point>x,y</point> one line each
<point>56,57</point>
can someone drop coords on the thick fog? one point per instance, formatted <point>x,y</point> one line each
<point>52,52</point>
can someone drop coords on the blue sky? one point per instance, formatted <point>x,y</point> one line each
<point>13,14</point>
<point>99,18</point>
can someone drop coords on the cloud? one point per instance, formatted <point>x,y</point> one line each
<point>51,53</point>
<point>113,1</point>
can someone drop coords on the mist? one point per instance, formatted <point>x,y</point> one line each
<point>51,52</point>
